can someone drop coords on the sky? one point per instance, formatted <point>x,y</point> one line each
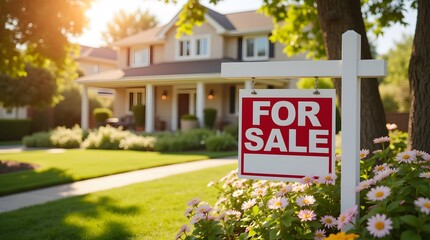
<point>103,11</point>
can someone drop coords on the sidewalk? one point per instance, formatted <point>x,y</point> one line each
<point>25,199</point>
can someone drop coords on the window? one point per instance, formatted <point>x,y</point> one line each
<point>193,47</point>
<point>256,48</point>
<point>134,97</point>
<point>140,57</point>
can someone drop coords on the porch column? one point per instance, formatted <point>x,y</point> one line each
<point>174,123</point>
<point>200,103</point>
<point>149,115</point>
<point>84,108</point>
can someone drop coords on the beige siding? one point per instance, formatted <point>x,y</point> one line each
<point>119,104</point>
<point>157,54</point>
<point>230,49</point>
<point>90,67</point>
<point>122,57</point>
<point>163,108</point>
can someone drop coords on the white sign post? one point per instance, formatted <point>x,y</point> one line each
<point>350,68</point>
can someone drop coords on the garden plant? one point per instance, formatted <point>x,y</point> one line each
<point>394,202</point>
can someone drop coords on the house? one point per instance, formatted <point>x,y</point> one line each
<point>173,77</point>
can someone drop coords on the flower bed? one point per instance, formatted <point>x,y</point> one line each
<point>394,202</point>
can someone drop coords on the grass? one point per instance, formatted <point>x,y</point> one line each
<point>149,210</point>
<point>73,165</point>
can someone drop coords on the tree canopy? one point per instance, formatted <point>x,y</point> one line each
<point>124,24</point>
<point>37,31</point>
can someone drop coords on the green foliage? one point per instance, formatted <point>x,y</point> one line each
<point>41,28</point>
<point>138,143</point>
<point>105,138</point>
<point>126,24</point>
<point>101,114</point>
<point>221,142</point>
<point>210,117</point>
<point>191,140</point>
<point>139,114</point>
<point>250,209</point>
<point>39,140</point>
<point>233,130</point>
<point>189,117</point>
<point>14,129</point>
<point>38,88</point>
<point>63,137</point>
<point>389,101</point>
<point>309,83</point>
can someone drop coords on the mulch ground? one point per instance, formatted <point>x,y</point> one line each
<point>11,166</point>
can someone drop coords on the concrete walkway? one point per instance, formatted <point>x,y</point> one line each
<point>25,199</point>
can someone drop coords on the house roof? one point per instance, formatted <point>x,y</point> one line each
<point>160,71</point>
<point>102,53</point>
<point>240,22</point>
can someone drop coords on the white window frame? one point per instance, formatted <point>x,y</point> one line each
<point>193,47</point>
<point>135,92</point>
<point>255,57</point>
<point>133,54</point>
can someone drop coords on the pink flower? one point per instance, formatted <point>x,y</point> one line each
<point>305,200</point>
<point>328,221</point>
<point>277,203</point>
<point>364,153</point>
<point>233,213</point>
<point>306,180</point>
<point>284,190</point>
<point>203,208</point>
<point>425,175</point>
<point>364,184</point>
<point>259,191</point>
<point>188,211</point>
<point>320,234</point>
<point>328,179</point>
<point>381,140</point>
<point>391,126</point>
<point>384,173</point>
<point>423,204</point>
<point>197,218</point>
<point>185,228</point>
<point>406,157</point>
<point>193,202</point>
<point>306,215</point>
<point>237,193</point>
<point>346,217</point>
<point>379,225</point>
<point>378,193</point>
<point>249,204</point>
<point>380,168</point>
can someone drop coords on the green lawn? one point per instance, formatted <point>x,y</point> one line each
<point>73,165</point>
<point>150,210</point>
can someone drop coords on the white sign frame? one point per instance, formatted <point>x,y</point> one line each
<point>287,166</point>
<point>351,68</point>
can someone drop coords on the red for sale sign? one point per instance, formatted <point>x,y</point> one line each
<point>286,134</point>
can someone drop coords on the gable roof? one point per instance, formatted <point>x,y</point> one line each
<point>229,24</point>
<point>101,54</point>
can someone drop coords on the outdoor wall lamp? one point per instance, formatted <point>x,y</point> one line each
<point>164,96</point>
<point>211,94</point>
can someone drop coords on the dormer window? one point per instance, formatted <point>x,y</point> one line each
<point>192,47</point>
<point>256,48</point>
<point>140,57</point>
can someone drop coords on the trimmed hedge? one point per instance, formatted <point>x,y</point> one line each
<point>210,117</point>
<point>100,115</point>
<point>14,129</point>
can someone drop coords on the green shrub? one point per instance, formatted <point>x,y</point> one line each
<point>39,139</point>
<point>221,142</point>
<point>233,130</point>
<point>191,140</point>
<point>139,115</point>
<point>210,117</point>
<point>138,143</point>
<point>63,137</point>
<point>189,117</point>
<point>105,138</point>
<point>14,129</point>
<point>100,115</point>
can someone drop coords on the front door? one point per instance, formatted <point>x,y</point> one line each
<point>183,106</point>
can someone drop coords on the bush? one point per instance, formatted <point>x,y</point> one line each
<point>191,140</point>
<point>100,115</point>
<point>221,142</point>
<point>233,130</point>
<point>210,117</point>
<point>105,138</point>
<point>63,137</point>
<point>189,117</point>
<point>138,143</point>
<point>14,129</point>
<point>39,139</point>
<point>394,199</point>
<point>139,115</point>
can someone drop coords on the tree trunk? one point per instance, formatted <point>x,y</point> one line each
<point>337,17</point>
<point>419,80</point>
